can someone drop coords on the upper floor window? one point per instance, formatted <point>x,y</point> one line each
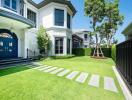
<point>59,17</point>
<point>85,37</point>
<point>11,4</point>
<point>31,15</point>
<point>68,21</point>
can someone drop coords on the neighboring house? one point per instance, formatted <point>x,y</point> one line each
<point>77,42</point>
<point>21,19</point>
<point>128,32</point>
<point>84,34</point>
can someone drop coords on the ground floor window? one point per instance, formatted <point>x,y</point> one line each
<point>59,45</point>
<point>68,46</point>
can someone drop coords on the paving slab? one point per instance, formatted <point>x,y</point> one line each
<point>51,69</point>
<point>109,84</point>
<point>72,75</point>
<point>63,72</point>
<point>57,71</point>
<point>94,80</point>
<point>82,77</point>
<point>41,69</point>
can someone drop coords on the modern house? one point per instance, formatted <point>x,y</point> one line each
<point>84,34</point>
<point>21,19</point>
<point>77,42</point>
<point>128,32</point>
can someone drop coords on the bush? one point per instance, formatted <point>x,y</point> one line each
<point>62,57</point>
<point>113,52</point>
<point>89,51</point>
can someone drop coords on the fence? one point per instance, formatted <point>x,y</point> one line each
<point>32,54</point>
<point>124,61</point>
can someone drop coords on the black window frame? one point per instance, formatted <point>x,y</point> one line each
<point>59,49</point>
<point>68,21</point>
<point>68,46</point>
<point>59,17</point>
<point>31,15</point>
<point>85,37</point>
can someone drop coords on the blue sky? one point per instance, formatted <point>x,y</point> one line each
<point>80,21</point>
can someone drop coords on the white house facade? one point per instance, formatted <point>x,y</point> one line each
<point>84,34</point>
<point>21,19</point>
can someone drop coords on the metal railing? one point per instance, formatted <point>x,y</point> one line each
<point>124,61</point>
<point>32,54</point>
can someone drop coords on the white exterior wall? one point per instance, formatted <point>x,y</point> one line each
<point>85,42</point>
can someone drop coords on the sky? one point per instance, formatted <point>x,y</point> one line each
<point>82,22</point>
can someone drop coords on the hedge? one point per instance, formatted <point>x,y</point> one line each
<point>113,52</point>
<point>62,57</point>
<point>89,51</point>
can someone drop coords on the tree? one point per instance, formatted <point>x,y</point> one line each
<point>112,20</point>
<point>43,40</point>
<point>95,10</point>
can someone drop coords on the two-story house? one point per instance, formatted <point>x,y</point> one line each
<point>21,19</point>
<point>84,34</point>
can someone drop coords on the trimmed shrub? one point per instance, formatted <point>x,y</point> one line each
<point>113,52</point>
<point>89,51</point>
<point>62,57</point>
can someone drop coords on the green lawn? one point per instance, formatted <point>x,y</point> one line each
<point>23,83</point>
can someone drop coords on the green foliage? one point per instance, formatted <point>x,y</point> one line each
<point>43,39</point>
<point>89,51</point>
<point>62,57</point>
<point>113,52</point>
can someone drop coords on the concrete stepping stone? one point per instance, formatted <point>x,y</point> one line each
<point>41,69</point>
<point>94,80</point>
<point>51,69</point>
<point>57,71</point>
<point>82,77</point>
<point>63,72</point>
<point>109,84</point>
<point>72,75</point>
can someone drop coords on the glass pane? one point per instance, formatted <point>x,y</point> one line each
<point>59,17</point>
<point>14,4</point>
<point>7,3</point>
<point>5,35</point>
<point>1,43</point>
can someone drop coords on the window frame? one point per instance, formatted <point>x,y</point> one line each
<point>35,14</point>
<point>68,20</point>
<point>10,5</point>
<point>85,37</point>
<point>56,23</point>
<point>59,47</point>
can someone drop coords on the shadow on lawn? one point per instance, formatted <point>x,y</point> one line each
<point>13,70</point>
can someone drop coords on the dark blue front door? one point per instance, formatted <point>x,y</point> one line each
<point>8,44</point>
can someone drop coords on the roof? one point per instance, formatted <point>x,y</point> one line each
<point>128,30</point>
<point>45,2</point>
<point>77,37</point>
<point>80,31</point>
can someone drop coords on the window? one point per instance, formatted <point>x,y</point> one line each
<point>59,17</point>
<point>85,37</point>
<point>68,46</point>
<point>21,7</point>
<point>14,4</point>
<point>85,46</point>
<point>31,15</point>
<point>68,21</point>
<point>11,4</point>
<point>58,45</point>
<point>7,3</point>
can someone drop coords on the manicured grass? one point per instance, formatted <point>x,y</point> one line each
<point>23,83</point>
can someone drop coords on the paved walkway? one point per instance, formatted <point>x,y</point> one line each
<point>80,77</point>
